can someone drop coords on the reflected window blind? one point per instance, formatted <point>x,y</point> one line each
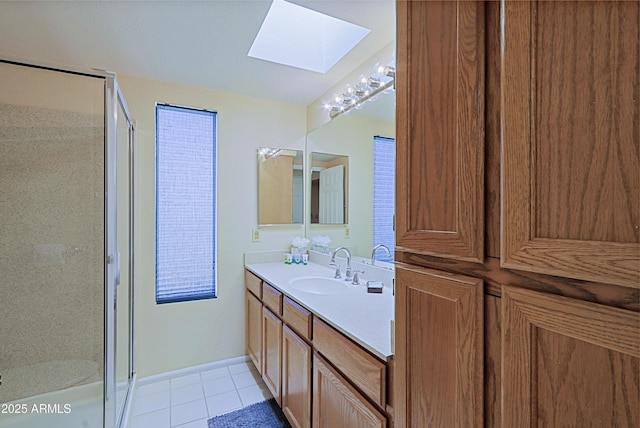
<point>384,194</point>
<point>185,204</point>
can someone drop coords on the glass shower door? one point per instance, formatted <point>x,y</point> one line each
<point>66,200</point>
<point>52,247</point>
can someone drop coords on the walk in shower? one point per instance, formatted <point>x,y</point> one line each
<point>66,247</point>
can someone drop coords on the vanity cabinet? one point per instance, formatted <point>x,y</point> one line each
<point>254,330</point>
<point>272,352</point>
<point>364,370</point>
<point>296,379</point>
<point>272,340</point>
<point>307,364</point>
<point>296,364</point>
<point>336,403</point>
<point>518,179</point>
<point>281,356</point>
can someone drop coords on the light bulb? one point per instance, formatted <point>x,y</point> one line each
<point>378,69</point>
<point>373,82</point>
<point>349,90</point>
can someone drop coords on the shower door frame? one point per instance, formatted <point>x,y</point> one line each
<point>113,99</point>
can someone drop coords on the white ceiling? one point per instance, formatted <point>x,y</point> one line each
<point>196,43</point>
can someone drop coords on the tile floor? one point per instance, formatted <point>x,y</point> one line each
<point>188,401</point>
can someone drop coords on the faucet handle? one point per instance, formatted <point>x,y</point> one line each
<point>347,274</point>
<point>338,274</point>
<point>356,279</point>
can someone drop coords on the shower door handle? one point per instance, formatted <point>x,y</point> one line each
<point>117,276</point>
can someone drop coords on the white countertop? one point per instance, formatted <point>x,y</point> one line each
<point>363,317</point>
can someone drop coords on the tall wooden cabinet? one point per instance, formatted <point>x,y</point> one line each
<point>440,339</point>
<point>440,127</point>
<point>518,213</point>
<point>571,120</point>
<point>568,362</point>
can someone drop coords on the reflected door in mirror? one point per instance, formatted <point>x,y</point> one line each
<point>329,188</point>
<point>280,186</point>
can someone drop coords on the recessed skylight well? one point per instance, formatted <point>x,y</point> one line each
<point>299,37</point>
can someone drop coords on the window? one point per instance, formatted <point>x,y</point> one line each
<point>185,204</point>
<point>384,194</point>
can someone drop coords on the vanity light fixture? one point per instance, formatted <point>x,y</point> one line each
<point>366,88</point>
<point>268,152</point>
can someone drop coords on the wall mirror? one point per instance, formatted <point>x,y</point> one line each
<point>329,188</point>
<point>280,186</point>
<point>352,136</point>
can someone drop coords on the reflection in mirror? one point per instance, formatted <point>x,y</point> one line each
<point>280,186</point>
<point>354,135</point>
<point>329,188</point>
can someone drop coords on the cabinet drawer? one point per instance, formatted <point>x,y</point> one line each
<point>272,298</point>
<point>297,317</point>
<point>253,284</point>
<point>336,403</point>
<point>364,370</point>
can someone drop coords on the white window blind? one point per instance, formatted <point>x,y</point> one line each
<point>384,194</point>
<point>185,204</point>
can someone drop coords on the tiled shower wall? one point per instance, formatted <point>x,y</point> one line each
<point>51,243</point>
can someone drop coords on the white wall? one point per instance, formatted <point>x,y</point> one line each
<point>177,335</point>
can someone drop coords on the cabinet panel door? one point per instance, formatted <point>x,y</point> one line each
<point>571,141</point>
<point>438,349</point>
<point>568,362</point>
<point>296,379</point>
<point>337,404</point>
<point>272,352</point>
<point>440,128</point>
<point>254,330</point>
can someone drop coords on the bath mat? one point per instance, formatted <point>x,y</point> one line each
<point>266,414</point>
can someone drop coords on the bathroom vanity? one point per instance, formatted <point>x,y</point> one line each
<point>321,344</point>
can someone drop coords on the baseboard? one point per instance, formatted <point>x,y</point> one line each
<point>190,370</point>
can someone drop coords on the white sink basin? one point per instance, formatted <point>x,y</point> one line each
<point>319,285</point>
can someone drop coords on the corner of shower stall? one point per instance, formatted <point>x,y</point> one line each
<point>66,248</point>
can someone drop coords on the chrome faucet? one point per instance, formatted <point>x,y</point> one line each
<point>373,253</point>
<point>333,263</point>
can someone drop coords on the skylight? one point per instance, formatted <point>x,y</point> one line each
<point>299,37</point>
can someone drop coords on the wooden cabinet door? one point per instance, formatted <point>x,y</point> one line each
<point>272,352</point>
<point>440,128</point>
<point>570,139</point>
<point>568,363</point>
<point>438,349</point>
<point>254,330</point>
<point>338,404</point>
<point>296,379</point>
